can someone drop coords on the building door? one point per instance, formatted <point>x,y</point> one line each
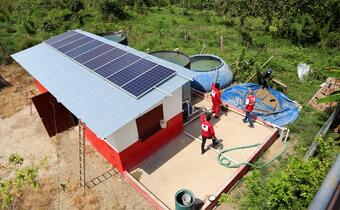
<point>149,123</point>
<point>55,117</point>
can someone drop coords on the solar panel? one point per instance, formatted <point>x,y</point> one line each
<point>127,71</point>
<point>93,53</point>
<point>67,40</point>
<point>131,72</point>
<point>117,64</point>
<point>60,37</point>
<point>141,85</point>
<point>104,58</point>
<point>75,44</point>
<point>84,48</point>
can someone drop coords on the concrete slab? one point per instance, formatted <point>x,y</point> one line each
<point>232,132</point>
<point>180,165</point>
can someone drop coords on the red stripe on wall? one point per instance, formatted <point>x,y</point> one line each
<point>40,87</point>
<point>139,151</point>
<point>104,149</point>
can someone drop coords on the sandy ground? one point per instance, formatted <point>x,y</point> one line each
<point>24,134</point>
<point>180,165</point>
<point>14,85</point>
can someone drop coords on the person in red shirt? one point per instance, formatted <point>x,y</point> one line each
<point>216,99</point>
<point>207,131</point>
<point>250,103</point>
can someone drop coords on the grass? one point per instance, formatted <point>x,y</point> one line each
<point>188,30</point>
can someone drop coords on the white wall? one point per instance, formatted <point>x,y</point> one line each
<point>128,134</point>
<point>124,137</point>
<point>172,105</point>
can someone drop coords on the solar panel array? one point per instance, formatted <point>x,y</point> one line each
<point>133,74</point>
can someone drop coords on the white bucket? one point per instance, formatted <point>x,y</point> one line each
<point>162,123</point>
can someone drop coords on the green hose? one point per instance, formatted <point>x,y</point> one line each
<point>227,162</point>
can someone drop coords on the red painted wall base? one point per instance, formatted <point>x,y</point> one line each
<point>139,151</point>
<point>104,149</point>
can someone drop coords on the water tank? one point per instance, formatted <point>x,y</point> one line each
<point>180,59</point>
<point>115,36</point>
<point>173,57</point>
<point>208,69</point>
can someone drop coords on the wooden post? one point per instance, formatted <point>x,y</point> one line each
<point>222,44</point>
<point>82,155</point>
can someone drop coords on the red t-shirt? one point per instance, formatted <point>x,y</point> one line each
<point>207,128</point>
<point>250,103</point>
<point>215,94</point>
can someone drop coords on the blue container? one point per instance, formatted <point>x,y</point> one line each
<point>208,69</point>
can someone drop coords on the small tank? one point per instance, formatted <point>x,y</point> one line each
<point>173,57</point>
<point>116,37</point>
<point>180,59</point>
<point>208,69</point>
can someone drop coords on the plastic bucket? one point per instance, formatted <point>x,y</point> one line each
<point>184,200</point>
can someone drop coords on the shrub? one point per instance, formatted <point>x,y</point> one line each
<point>111,9</point>
<point>10,188</point>
<point>293,185</point>
<point>333,40</point>
<point>77,5</point>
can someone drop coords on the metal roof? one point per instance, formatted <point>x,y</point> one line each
<point>103,107</point>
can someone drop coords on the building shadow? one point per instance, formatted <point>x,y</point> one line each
<point>168,151</point>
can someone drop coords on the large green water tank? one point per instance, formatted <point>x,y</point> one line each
<point>115,36</point>
<point>173,57</point>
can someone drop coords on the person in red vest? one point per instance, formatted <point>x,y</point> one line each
<point>207,131</point>
<point>250,103</point>
<point>216,99</point>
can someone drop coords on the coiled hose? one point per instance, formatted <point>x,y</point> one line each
<point>229,163</point>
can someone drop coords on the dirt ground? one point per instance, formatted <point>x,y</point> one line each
<point>14,85</point>
<point>31,141</point>
<point>24,134</point>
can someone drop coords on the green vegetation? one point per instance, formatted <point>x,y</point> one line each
<point>292,31</point>
<point>292,186</point>
<point>10,188</point>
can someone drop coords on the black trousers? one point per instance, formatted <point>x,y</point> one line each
<point>204,139</point>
